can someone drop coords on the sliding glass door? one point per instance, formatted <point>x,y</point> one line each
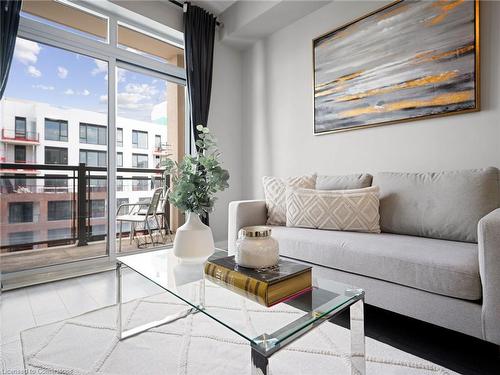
<point>93,104</point>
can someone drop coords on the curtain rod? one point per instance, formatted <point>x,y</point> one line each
<point>181,5</point>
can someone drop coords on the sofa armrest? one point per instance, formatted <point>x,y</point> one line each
<point>242,214</point>
<point>489,270</point>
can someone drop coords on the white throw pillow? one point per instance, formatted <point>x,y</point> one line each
<point>350,210</point>
<point>275,193</point>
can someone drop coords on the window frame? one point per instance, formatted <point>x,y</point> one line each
<point>138,133</point>
<point>115,57</point>
<point>98,156</point>
<point>98,128</point>
<point>59,210</point>
<point>59,123</point>
<point>25,130</point>
<point>13,215</point>
<point>53,148</point>
<point>119,140</point>
<point>119,157</point>
<point>135,160</point>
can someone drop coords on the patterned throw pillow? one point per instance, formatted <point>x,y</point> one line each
<point>275,193</point>
<point>350,210</point>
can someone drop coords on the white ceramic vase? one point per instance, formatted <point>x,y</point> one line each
<point>193,241</point>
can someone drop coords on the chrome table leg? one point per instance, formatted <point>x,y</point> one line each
<point>358,364</point>
<point>260,363</point>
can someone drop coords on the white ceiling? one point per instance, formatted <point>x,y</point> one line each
<point>215,6</point>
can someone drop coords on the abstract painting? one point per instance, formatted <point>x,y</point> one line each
<point>406,61</point>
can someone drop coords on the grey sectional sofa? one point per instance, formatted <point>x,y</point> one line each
<point>437,258</point>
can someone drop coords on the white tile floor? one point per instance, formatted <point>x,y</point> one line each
<point>48,303</point>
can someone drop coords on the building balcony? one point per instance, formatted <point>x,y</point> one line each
<point>59,216</point>
<point>19,138</point>
<point>161,150</point>
<point>16,167</point>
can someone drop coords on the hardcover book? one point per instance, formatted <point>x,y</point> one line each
<point>266,286</point>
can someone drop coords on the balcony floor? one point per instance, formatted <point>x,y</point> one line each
<point>28,259</point>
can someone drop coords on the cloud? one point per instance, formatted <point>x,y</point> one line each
<point>62,72</point>
<point>142,89</point>
<point>26,51</point>
<point>121,75</point>
<point>73,92</point>
<point>101,67</point>
<point>43,87</point>
<point>34,72</point>
<point>136,97</point>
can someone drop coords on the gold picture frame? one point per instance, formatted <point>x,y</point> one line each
<point>466,103</point>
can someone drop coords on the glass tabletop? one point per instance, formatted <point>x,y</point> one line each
<point>187,282</point>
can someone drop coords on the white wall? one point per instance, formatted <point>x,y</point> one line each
<point>225,120</point>
<point>278,111</point>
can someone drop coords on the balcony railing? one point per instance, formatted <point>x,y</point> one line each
<point>24,136</point>
<point>80,185</point>
<point>161,149</point>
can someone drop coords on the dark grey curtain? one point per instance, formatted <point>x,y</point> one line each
<point>9,23</point>
<point>199,33</point>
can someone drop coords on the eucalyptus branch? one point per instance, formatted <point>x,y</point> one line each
<point>197,178</point>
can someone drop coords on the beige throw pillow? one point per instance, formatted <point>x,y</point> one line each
<point>275,193</point>
<point>350,210</point>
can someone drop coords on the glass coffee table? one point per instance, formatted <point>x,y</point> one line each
<point>187,282</point>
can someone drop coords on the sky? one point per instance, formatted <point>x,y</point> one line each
<point>69,80</point>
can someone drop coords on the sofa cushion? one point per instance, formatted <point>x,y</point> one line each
<point>444,205</point>
<point>349,181</point>
<point>442,267</point>
<point>275,193</point>
<point>349,210</point>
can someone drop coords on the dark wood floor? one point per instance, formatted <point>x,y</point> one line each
<point>455,351</point>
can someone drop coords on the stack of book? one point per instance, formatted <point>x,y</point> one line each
<point>268,287</point>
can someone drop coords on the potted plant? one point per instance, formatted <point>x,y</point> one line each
<point>194,182</point>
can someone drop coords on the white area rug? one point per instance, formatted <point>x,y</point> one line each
<point>87,344</point>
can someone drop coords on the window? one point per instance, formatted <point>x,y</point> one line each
<point>139,161</point>
<point>93,158</point>
<point>56,130</point>
<point>98,184</point>
<point>119,184</point>
<point>20,212</point>
<point>18,238</point>
<point>58,210</point>
<point>119,137</point>
<point>20,127</point>
<point>97,208</point>
<point>157,161</point>
<point>139,183</point>
<point>68,17</point>
<point>119,159</point>
<point>59,234</point>
<point>139,139</point>
<point>56,180</point>
<point>92,134</point>
<point>19,154</point>
<point>149,45</point>
<point>56,155</point>
<point>158,142</point>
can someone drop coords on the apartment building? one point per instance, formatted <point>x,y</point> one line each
<point>39,204</point>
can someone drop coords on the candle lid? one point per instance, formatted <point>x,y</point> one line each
<point>255,231</point>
